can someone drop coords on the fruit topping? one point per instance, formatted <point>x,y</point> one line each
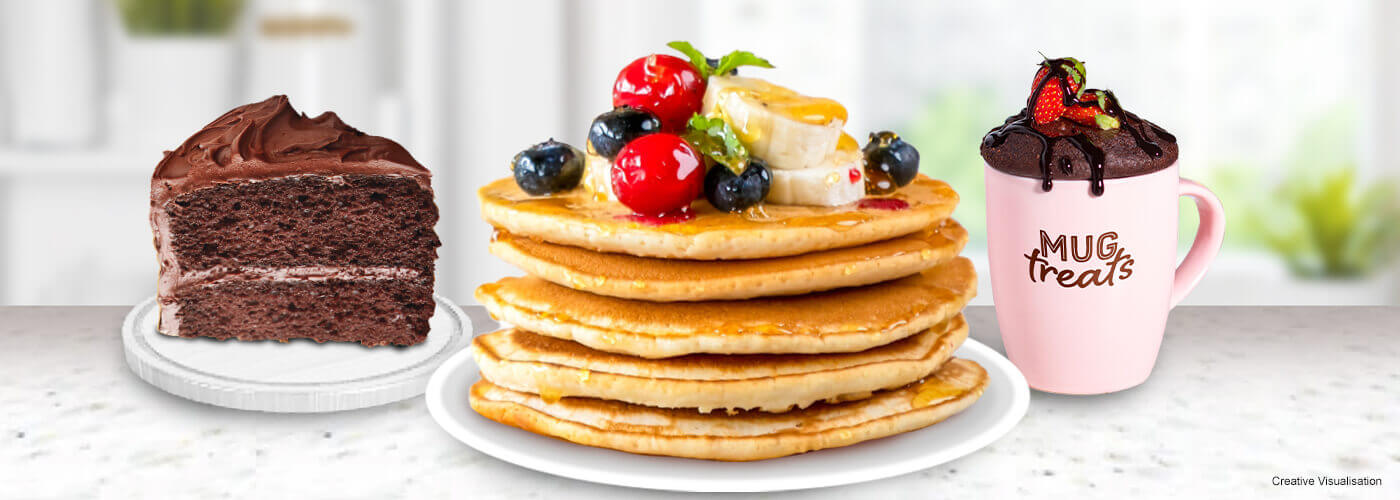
<point>666,86</point>
<point>734,193</point>
<point>658,174</point>
<point>735,181</point>
<point>890,163</point>
<point>838,180</point>
<point>1080,107</point>
<point>673,88</point>
<point>1056,86</point>
<point>787,129</point>
<point>1091,110</point>
<point>613,130</point>
<point>547,168</point>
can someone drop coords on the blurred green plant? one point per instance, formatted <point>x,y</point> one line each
<point>1322,219</point>
<point>1331,224</point>
<point>947,133</point>
<point>178,17</point>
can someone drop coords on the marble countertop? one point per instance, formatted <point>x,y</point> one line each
<point>1239,396</point>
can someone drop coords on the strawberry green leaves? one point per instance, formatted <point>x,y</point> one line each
<point>1075,69</point>
<point>724,65</point>
<point>1106,122</point>
<point>714,138</point>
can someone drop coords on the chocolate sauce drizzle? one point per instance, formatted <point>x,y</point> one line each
<point>1023,123</point>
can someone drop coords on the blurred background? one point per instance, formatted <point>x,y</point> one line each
<point>1285,107</point>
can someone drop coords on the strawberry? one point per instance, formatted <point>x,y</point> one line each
<point>1049,102</point>
<point>1066,76</point>
<point>1090,111</point>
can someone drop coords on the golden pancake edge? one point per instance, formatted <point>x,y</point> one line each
<point>843,320</point>
<point>554,368</point>
<point>577,219</point>
<point>742,436</point>
<point>669,280</point>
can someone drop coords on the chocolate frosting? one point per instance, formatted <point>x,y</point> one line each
<point>270,139</point>
<point>1019,154</point>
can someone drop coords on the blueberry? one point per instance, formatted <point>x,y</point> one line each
<point>547,168</point>
<point>734,193</point>
<point>613,130</point>
<point>890,163</point>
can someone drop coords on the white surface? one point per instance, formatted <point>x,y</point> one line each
<point>1239,395</point>
<point>300,376</point>
<point>999,409</point>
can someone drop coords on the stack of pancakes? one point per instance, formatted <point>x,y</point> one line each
<point>729,336</point>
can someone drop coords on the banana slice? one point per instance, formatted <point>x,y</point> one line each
<point>840,181</point>
<point>788,130</point>
<point>597,176</point>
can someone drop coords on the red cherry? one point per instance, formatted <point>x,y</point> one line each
<point>657,174</point>
<point>666,86</point>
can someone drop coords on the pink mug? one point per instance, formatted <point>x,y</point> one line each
<point>1083,283</point>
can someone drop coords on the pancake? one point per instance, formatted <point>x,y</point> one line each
<point>554,368</point>
<point>577,219</point>
<point>742,436</point>
<point>649,278</point>
<point>844,320</point>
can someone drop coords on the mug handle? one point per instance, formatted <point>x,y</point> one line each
<point>1209,235</point>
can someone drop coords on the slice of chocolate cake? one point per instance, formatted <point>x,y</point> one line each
<point>270,225</point>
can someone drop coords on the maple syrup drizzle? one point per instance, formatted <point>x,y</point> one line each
<point>934,390</point>
<point>685,214</point>
<point>551,395</point>
<point>789,103</point>
<point>882,204</point>
<point>1023,123</point>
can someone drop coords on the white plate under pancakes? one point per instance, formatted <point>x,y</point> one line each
<point>300,376</point>
<point>1000,408</point>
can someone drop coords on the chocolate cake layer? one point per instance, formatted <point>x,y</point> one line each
<point>348,220</point>
<point>371,312</point>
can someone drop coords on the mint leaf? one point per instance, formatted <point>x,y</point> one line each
<point>739,58</point>
<point>702,123</point>
<point>696,57</point>
<point>726,64</point>
<point>714,138</point>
